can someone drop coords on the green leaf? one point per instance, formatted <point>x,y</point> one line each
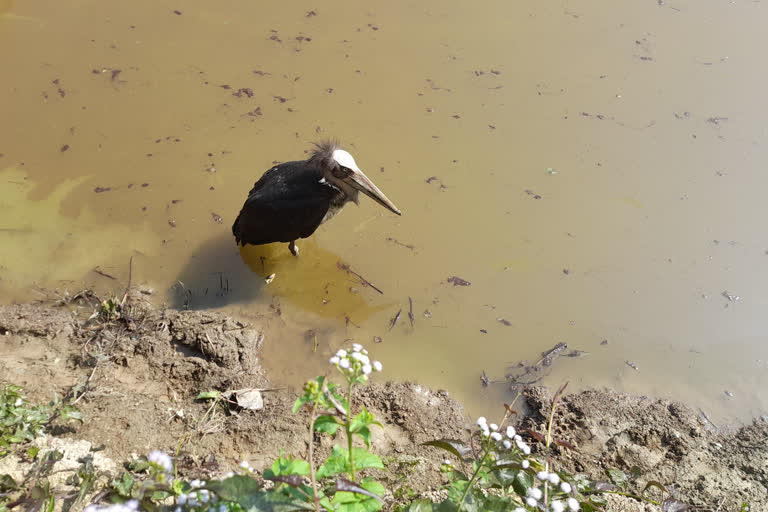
<point>421,505</point>
<point>365,459</point>
<point>7,483</point>
<point>327,423</point>
<point>299,402</point>
<point>654,483</point>
<point>337,462</point>
<point>272,502</point>
<point>124,485</point>
<point>458,448</point>
<point>617,476</point>
<point>522,482</point>
<point>344,485</point>
<point>234,487</point>
<point>208,395</point>
<point>287,466</point>
<point>365,435</point>
<point>348,501</point>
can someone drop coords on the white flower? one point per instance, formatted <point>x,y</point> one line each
<point>486,432</point>
<point>496,436</point>
<point>128,506</point>
<point>526,464</point>
<point>526,449</point>
<point>557,506</point>
<point>367,369</point>
<point>481,421</point>
<point>518,438</point>
<point>18,402</point>
<point>542,475</point>
<point>243,465</point>
<point>344,363</point>
<point>494,427</point>
<point>531,502</point>
<point>162,459</point>
<point>535,493</point>
<point>377,366</point>
<point>511,432</point>
<point>447,462</point>
<point>341,353</point>
<point>507,444</point>
<point>361,357</point>
<point>335,360</point>
<point>223,508</point>
<point>229,474</point>
<point>357,347</point>
<point>554,478</point>
<point>519,509</point>
<point>565,486</point>
<point>182,499</point>
<point>573,504</point>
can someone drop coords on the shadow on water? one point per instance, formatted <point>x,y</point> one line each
<point>219,274</point>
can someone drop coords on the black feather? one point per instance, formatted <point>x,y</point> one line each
<point>287,203</point>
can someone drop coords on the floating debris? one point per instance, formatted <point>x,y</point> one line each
<point>576,353</point>
<point>730,297</point>
<point>427,313</point>
<point>532,193</point>
<point>504,321</point>
<point>394,319</point>
<point>457,281</point>
<point>411,318</point>
<point>377,339</point>
<point>217,218</point>
<point>269,278</point>
<point>632,365</point>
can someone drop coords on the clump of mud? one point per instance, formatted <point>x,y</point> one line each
<point>665,441</point>
<point>138,374</point>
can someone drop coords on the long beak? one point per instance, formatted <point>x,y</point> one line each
<point>361,182</point>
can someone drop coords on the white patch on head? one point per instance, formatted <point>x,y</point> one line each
<point>344,159</point>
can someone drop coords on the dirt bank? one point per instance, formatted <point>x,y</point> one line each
<point>142,369</point>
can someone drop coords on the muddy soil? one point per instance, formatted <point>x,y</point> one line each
<point>142,371</point>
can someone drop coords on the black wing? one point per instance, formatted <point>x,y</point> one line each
<point>287,203</point>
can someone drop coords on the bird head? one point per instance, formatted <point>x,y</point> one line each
<point>340,169</point>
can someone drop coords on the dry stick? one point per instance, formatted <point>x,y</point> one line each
<point>549,434</point>
<point>346,268</point>
<point>130,273</point>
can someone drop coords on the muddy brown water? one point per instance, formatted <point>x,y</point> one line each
<point>595,171</point>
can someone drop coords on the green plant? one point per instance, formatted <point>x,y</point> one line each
<point>506,477</point>
<point>330,410</point>
<point>21,421</point>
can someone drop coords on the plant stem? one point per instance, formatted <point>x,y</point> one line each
<point>312,419</point>
<point>474,475</point>
<point>347,427</point>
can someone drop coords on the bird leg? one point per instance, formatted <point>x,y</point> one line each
<point>293,248</point>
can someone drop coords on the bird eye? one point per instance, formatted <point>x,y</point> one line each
<point>341,172</point>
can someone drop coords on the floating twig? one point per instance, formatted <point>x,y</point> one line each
<point>104,274</point>
<point>394,319</point>
<point>410,311</point>
<point>402,244</point>
<point>346,268</point>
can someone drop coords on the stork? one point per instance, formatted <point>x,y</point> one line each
<point>292,199</point>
